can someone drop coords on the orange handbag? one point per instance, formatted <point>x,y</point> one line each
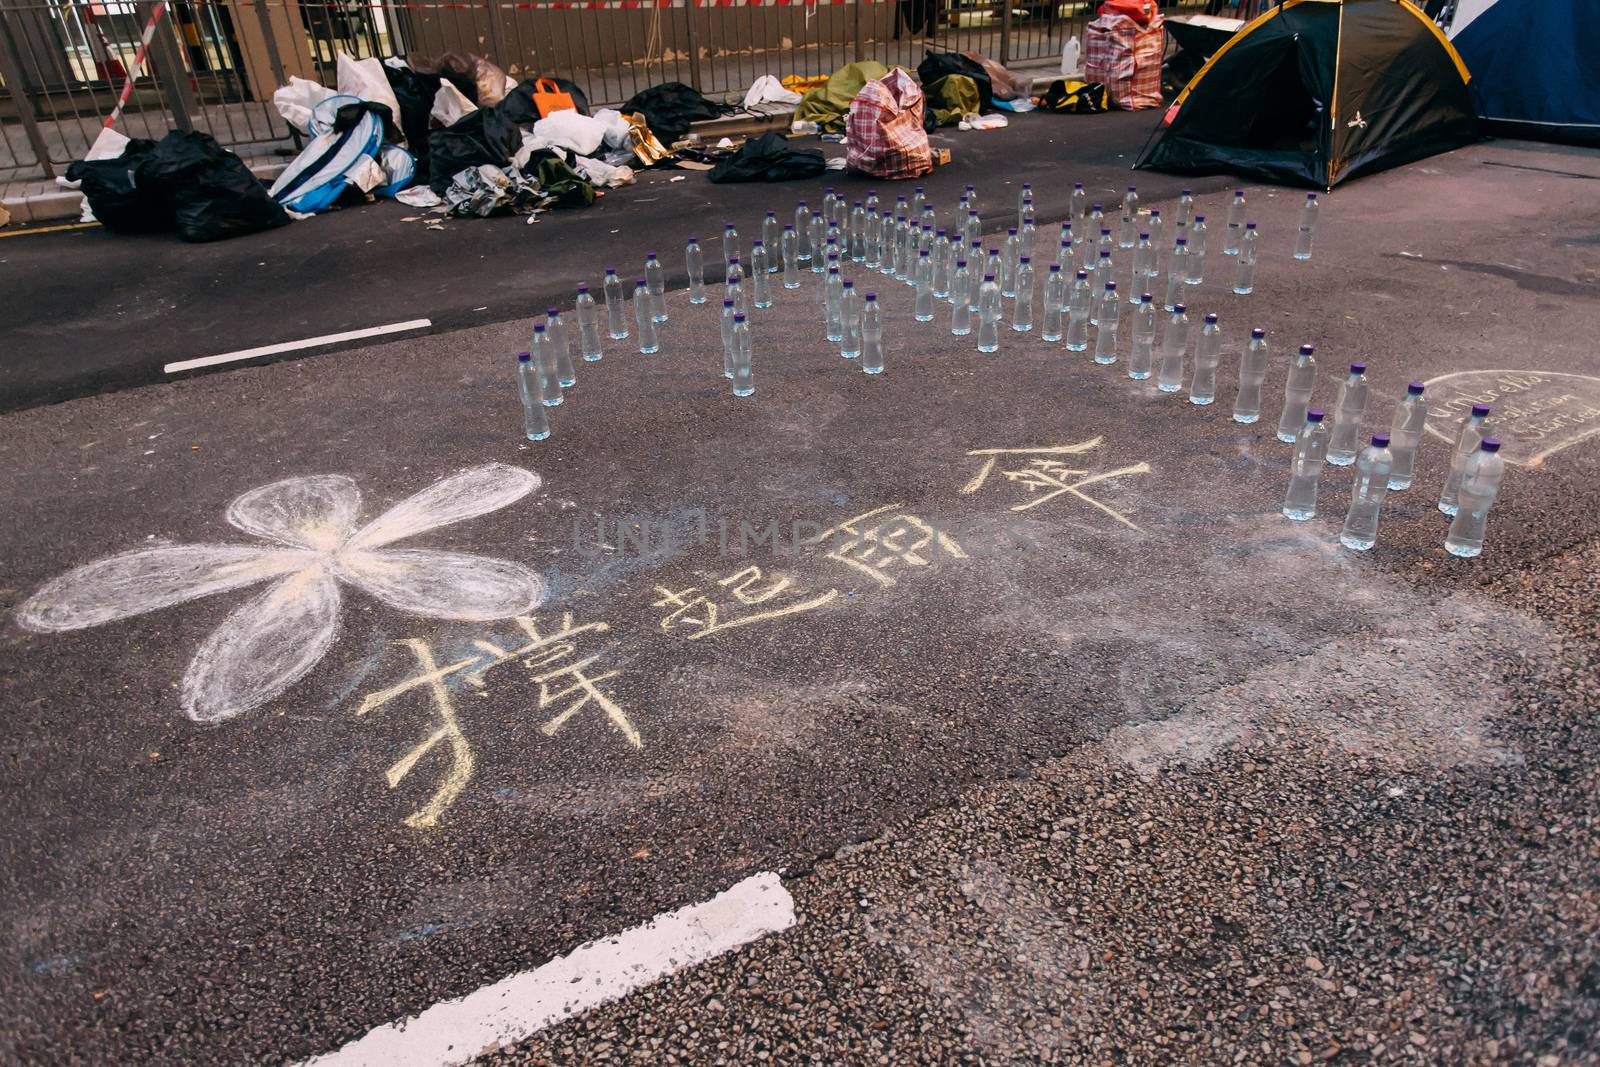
<point>548,97</point>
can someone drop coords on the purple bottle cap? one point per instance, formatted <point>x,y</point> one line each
<point>1096,207</point>
<point>789,226</point>
<point>538,327</point>
<point>1358,368</point>
<point>754,245</point>
<point>1211,319</point>
<point>941,233</point>
<point>1480,411</point>
<point>1416,388</point>
<point>988,277</point>
<point>848,284</point>
<point>639,283</point>
<point>1311,196</point>
<point>1188,192</point>
<point>1144,237</point>
<point>1199,218</point>
<point>1147,299</point>
<point>1183,241</point>
<point>1055,268</point>
<point>1084,275</point>
<point>1238,192</point>
<point>1133,189</point>
<point>727,225</point>
<point>1012,232</point>
<point>1104,232</point>
<point>772,214</point>
<point>1025,185</point>
<point>649,255</point>
<point>994,251</point>
<point>1306,350</point>
<point>1258,333</point>
<point>523,357</point>
<point>734,258</point>
<point>1380,440</point>
<point>1179,309</point>
<point>727,301</point>
<point>1249,225</point>
<point>799,203</point>
<point>872,296</point>
<point>696,240</point>
<point>1111,287</point>
<point>1490,444</point>
<point>738,316</point>
<point>1075,185</point>
<point>584,288</point>
<point>1314,415</point>
<point>1104,254</point>
<point>552,312</point>
<point>1155,213</point>
<point>611,270</point>
<point>1020,259</point>
<point>960,263</point>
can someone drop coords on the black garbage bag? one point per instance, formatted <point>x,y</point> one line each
<point>210,191</point>
<point>669,108</point>
<point>769,158</point>
<point>483,136</point>
<point>415,93</point>
<point>936,65</point>
<point>519,106</point>
<point>118,198</point>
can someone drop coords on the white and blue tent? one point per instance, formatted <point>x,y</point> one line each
<point>1535,65</point>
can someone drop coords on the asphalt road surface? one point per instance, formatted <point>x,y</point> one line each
<point>1066,745</point>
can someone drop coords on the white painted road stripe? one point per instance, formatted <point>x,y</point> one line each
<point>290,346</point>
<point>511,1009</point>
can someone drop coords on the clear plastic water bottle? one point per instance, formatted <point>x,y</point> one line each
<point>1207,357</point>
<point>535,420</point>
<point>975,258</point>
<point>771,234</point>
<point>994,263</point>
<point>1472,435</point>
<point>1010,252</point>
<point>1480,484</point>
<point>734,286</point>
<point>874,246</point>
<point>1078,203</point>
<point>1185,212</point>
<point>728,312</point>
<point>1305,469</point>
<point>1235,231</point>
<point>730,243</point>
<point>1105,338</point>
<point>555,332</point>
<point>818,232</point>
<point>616,305</point>
<point>1022,305</point>
<point>544,362</point>
<point>1197,250</point>
<point>841,216</point>
<point>1174,345</point>
<point>905,267</point>
<point>760,277</point>
<point>961,300</point>
<point>1405,435</point>
<point>850,319</point>
<point>1297,393</point>
<point>1027,222</point>
<point>1244,276</point>
<point>1055,304</point>
<point>1366,494</point>
<point>644,318</point>
<point>901,207</point>
<point>1177,273</point>
<point>972,197</point>
<point>1080,304</point>
<point>1308,227</point>
<point>833,304</point>
<point>802,231</point>
<point>858,233</point>
<point>789,244</point>
<point>871,203</point>
<point>890,250</point>
<point>1141,357</point>
<point>833,262</point>
<point>1024,195</point>
<point>1106,246</point>
<point>972,230</point>
<point>923,308</point>
<point>1096,219</point>
<point>588,326</point>
<point>1144,260</point>
<point>1348,410</point>
<point>919,197</point>
<point>871,336</point>
<point>1130,218</point>
<point>744,382</point>
<point>694,258</point>
<point>1103,276</point>
<point>656,282</point>
<point>1154,226</point>
<point>827,201</point>
<point>1252,372</point>
<point>941,266</point>
<point>989,315</point>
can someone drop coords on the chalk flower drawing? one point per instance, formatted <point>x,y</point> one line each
<point>311,546</point>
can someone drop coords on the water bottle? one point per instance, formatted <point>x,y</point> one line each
<point>730,243</point>
<point>1009,253</point>
<point>1366,494</point>
<point>1472,434</point>
<point>1207,356</point>
<point>1144,261</point>
<point>789,245</point>
<point>972,230</point>
<point>1310,448</point>
<point>1154,226</point>
<point>901,207</point>
<point>1022,306</point>
<point>744,383</point>
<point>890,251</point>
<point>941,266</point>
<point>858,233</point>
<point>771,234</point>
<point>818,233</point>
<point>1141,357</point>
<point>905,264</point>
<point>972,197</point>
<point>1197,250</point>
<point>728,312</point>
<point>919,197</point>
<point>993,264</point>
<point>656,283</point>
<point>1308,227</point>
<point>1055,304</point>
<point>961,300</point>
<point>1480,483</point>
<point>874,241</point>
<point>1024,195</point>
<point>871,336</point>
<point>802,230</point>
<point>1405,435</point>
<point>1130,218</point>
<point>1235,233</point>
<point>1103,276</point>
<point>827,201</point>
<point>1105,338</point>
<point>1297,393</point>
<point>555,334</point>
<point>1348,409</point>
<point>1078,204</point>
<point>616,310</point>
<point>588,326</point>
<point>535,420</point>
<point>925,240</point>
<point>1173,346</point>
<point>1080,303</point>
<point>695,260</point>
<point>644,319</point>
<point>833,304</point>
<point>735,285</point>
<point>544,363</point>
<point>760,282</point>
<point>1244,276</point>
<point>1185,213</point>
<point>975,257</point>
<point>989,315</point>
<point>923,309</point>
<point>833,263</point>
<point>1177,272</point>
<point>840,215</point>
<point>871,203</point>
<point>1028,221</point>
<point>1106,245</point>
<point>850,318</point>
<point>1096,219</point>
<point>1252,372</point>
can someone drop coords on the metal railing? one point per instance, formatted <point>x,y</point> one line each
<point>212,65</point>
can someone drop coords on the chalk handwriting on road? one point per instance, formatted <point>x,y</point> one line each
<point>310,546</point>
<point>1536,413</point>
<point>563,677</point>
<point>718,607</point>
<point>1043,473</point>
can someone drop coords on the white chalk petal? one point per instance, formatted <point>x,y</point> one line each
<point>317,511</point>
<point>446,585</point>
<point>463,495</point>
<point>151,578</point>
<point>264,647</point>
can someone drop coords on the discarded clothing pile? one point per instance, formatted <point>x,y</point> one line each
<point>669,108</point>
<point>769,158</point>
<point>827,105</point>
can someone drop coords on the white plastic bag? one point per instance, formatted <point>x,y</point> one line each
<point>616,127</point>
<point>769,90</point>
<point>568,129</point>
<point>297,100</point>
<point>450,104</point>
<point>365,78</point>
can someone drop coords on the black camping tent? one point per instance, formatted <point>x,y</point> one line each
<point>1318,91</point>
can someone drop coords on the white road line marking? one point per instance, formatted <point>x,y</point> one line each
<point>290,346</point>
<point>457,1031</point>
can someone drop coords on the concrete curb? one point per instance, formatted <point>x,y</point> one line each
<point>50,203</point>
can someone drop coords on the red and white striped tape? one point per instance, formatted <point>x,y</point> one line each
<point>138,63</point>
<point>587,5</point>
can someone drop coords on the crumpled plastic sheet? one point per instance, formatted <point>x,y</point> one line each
<point>603,174</point>
<point>983,122</point>
<point>419,196</point>
<point>487,190</point>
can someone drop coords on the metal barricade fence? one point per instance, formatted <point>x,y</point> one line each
<point>212,65</point>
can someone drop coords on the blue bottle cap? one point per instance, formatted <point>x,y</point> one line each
<point>1075,185</point>
<point>1480,410</point>
<point>1380,440</point>
<point>799,203</point>
<point>1258,333</point>
<point>1490,444</point>
<point>1314,415</point>
<point>1188,192</point>
<point>611,270</point>
<point>523,357</point>
<point>1211,319</point>
<point>1416,388</point>
<point>1179,309</point>
<point>941,233</point>
<point>924,252</point>
<point>639,283</point>
<point>1104,254</point>
<point>755,245</point>
<point>1096,207</point>
<point>1358,368</point>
